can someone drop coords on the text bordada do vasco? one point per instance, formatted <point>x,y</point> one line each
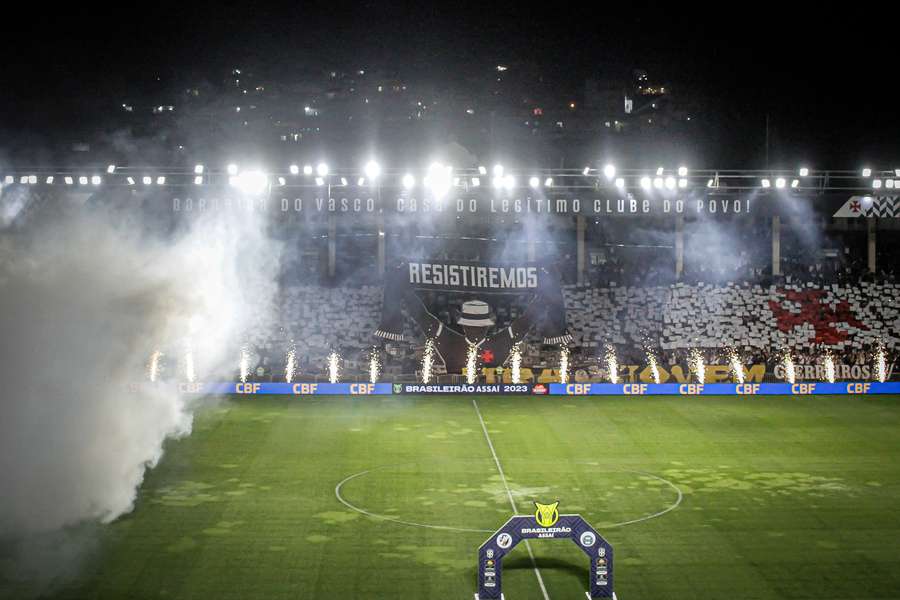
<point>628,205</point>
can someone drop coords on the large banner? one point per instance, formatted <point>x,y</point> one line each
<point>352,200</point>
<point>474,335</point>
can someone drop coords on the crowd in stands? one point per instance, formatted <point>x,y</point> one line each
<point>759,322</point>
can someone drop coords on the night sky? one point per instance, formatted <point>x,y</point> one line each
<point>827,77</point>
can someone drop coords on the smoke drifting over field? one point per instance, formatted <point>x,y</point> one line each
<point>85,299</point>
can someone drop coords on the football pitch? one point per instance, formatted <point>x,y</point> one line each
<point>389,497</point>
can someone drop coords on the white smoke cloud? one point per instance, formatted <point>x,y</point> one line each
<point>84,301</point>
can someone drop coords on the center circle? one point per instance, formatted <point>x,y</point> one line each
<point>439,489</point>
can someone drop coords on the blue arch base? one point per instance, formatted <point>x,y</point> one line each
<point>523,527</point>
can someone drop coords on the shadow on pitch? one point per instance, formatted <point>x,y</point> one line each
<point>555,564</point>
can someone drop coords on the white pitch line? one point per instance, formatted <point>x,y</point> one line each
<point>509,495</point>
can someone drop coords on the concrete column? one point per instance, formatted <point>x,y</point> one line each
<point>332,245</point>
<point>776,245</point>
<point>580,250</point>
<point>871,243</point>
<point>679,246</point>
<point>381,234</point>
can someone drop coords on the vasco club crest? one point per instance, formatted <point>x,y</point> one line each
<point>546,514</point>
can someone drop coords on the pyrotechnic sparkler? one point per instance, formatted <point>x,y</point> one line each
<point>245,364</point>
<point>471,363</point>
<point>612,364</point>
<point>790,374</point>
<point>737,367</point>
<point>829,366</point>
<point>516,364</point>
<point>153,367</point>
<point>698,365</point>
<point>374,366</point>
<point>880,363</point>
<point>189,372</point>
<point>334,367</point>
<point>290,363</point>
<point>427,360</point>
<point>653,364</point>
<point>564,364</point>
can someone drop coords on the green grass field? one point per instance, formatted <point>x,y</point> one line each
<point>782,497</point>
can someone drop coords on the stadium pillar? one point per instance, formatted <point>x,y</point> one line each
<point>381,235</point>
<point>332,245</point>
<point>871,243</point>
<point>579,228</point>
<point>679,246</point>
<point>776,245</point>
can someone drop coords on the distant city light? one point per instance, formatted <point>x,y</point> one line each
<point>372,169</point>
<point>609,171</point>
<point>321,169</point>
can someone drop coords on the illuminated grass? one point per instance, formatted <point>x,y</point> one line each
<point>783,498</point>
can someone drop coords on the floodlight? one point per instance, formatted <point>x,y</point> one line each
<point>409,181</point>
<point>198,169</point>
<point>670,183</point>
<point>876,183</point>
<point>779,182</point>
<point>82,180</point>
<point>319,181</point>
<point>548,182</point>
<point>198,180</point>
<point>682,183</point>
<point>232,169</point>
<point>620,183</point>
<point>867,172</point>
<point>372,169</point>
<point>609,171</point>
<point>294,169</point>
<point>111,169</point>
<point>146,180</point>
<point>482,170</point>
<point>682,171</point>
<point>804,172</point>
<point>658,182</point>
<point>509,182</point>
<point>307,169</point>
<point>766,183</point>
<point>251,182</point>
<point>476,182</point>
<point>645,183</point>
<point>321,169</point>
<point>795,183</point>
<point>534,182</point>
<point>498,170</point>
